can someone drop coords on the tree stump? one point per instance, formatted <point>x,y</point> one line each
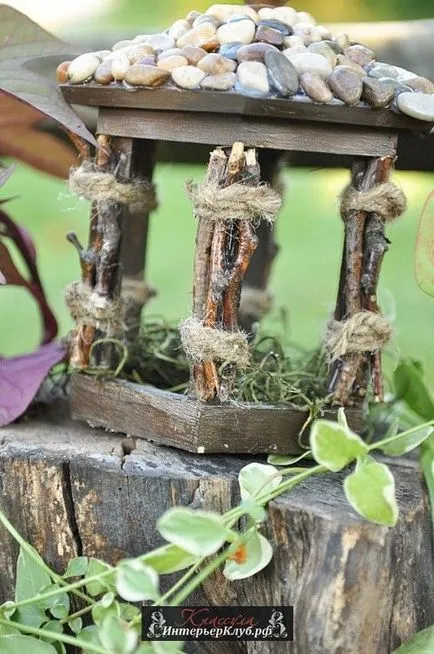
<point>355,586</point>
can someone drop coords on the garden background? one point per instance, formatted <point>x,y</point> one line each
<point>309,230</point>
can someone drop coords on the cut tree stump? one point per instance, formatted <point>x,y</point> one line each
<point>356,587</point>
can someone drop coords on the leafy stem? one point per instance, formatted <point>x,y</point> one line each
<point>62,638</point>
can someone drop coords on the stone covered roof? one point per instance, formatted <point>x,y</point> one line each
<point>272,52</point>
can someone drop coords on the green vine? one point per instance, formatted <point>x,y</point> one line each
<point>199,542</point>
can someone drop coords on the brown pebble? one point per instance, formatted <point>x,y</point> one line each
<point>269,35</point>
<point>254,52</point>
<point>360,54</point>
<point>193,54</point>
<point>103,74</point>
<point>377,94</point>
<point>139,52</point>
<point>215,64</point>
<point>62,72</point>
<point>421,84</point>
<point>143,75</point>
<point>344,61</point>
<point>316,88</point>
<point>345,84</point>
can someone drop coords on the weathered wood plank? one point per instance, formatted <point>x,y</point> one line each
<point>216,129</point>
<point>178,421</point>
<point>356,586</point>
<point>174,99</point>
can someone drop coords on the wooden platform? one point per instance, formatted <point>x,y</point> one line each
<point>176,420</point>
<point>355,586</point>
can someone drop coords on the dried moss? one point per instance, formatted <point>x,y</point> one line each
<point>278,374</point>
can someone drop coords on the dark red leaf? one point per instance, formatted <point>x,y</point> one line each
<point>10,272</point>
<point>21,378</point>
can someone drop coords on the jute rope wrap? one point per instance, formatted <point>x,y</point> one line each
<point>386,200</point>
<point>208,344</point>
<point>364,332</point>
<point>87,182</point>
<point>89,308</point>
<point>234,202</point>
<point>255,302</point>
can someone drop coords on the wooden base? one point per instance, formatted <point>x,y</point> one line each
<point>355,586</point>
<point>178,421</point>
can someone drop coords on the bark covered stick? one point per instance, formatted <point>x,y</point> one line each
<point>205,374</point>
<point>84,336</point>
<point>344,371</point>
<point>376,245</point>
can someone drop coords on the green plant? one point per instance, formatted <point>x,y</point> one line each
<point>48,609</point>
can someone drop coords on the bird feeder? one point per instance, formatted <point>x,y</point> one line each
<point>252,82</point>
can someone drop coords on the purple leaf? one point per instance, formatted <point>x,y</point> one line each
<point>5,173</point>
<point>21,377</point>
<point>2,278</point>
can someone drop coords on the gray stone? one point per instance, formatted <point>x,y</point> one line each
<point>216,64</point>
<point>360,54</point>
<point>346,85</point>
<point>143,75</point>
<point>206,18</point>
<point>188,77</point>
<point>277,25</point>
<point>224,82</point>
<point>315,87</point>
<point>282,75</point>
<point>376,93</point>
<point>255,51</point>
<point>269,35</point>
<point>382,70</point>
<point>398,86</point>
<point>253,78</point>
<point>147,61</point>
<point>417,105</point>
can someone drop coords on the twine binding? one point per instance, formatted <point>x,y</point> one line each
<point>386,200</point>
<point>255,302</point>
<point>203,344</point>
<point>235,202</point>
<point>366,331</point>
<point>98,186</point>
<point>89,308</point>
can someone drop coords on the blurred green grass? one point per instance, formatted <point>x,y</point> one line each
<point>304,277</point>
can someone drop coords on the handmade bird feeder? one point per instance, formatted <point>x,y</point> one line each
<point>256,81</point>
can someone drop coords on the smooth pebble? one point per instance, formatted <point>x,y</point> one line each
<point>360,54</point>
<point>120,66</point>
<point>203,36</point>
<point>253,78</point>
<point>170,63</point>
<point>254,52</point>
<point>216,64</point>
<point>285,15</point>
<point>324,50</point>
<point>420,84</point>
<point>188,77</point>
<point>230,50</point>
<point>83,67</point>
<point>160,42</point>
<point>282,75</point>
<point>224,12</point>
<point>145,75</point>
<point>315,87</point>
<point>269,35</point>
<point>223,82</point>
<point>417,105</point>
<point>179,29</point>
<point>345,84</point>
<point>377,94</point>
<point>242,31</point>
<point>309,62</point>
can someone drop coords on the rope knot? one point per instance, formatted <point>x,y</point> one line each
<point>235,202</point>
<point>366,331</point>
<point>210,344</point>
<point>89,308</point>
<point>99,186</point>
<point>386,200</point>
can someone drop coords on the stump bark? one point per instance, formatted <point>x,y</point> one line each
<point>356,587</point>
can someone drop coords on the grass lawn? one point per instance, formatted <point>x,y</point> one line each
<point>305,273</point>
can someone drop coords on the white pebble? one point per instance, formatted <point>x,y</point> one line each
<point>309,62</point>
<point>83,67</point>
<point>188,77</point>
<point>252,76</point>
<point>120,65</point>
<point>417,105</point>
<point>242,31</point>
